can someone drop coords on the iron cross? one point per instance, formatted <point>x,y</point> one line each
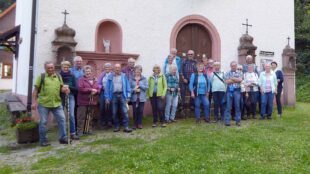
<point>288,41</point>
<point>247,26</point>
<point>65,13</point>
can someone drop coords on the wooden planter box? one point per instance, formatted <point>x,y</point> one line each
<point>27,136</point>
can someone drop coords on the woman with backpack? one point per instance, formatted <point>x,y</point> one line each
<point>199,86</point>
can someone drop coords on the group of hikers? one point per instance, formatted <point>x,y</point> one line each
<point>234,94</point>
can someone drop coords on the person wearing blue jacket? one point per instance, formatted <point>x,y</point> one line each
<point>280,80</point>
<point>139,86</point>
<point>199,86</point>
<point>175,60</point>
<point>118,92</point>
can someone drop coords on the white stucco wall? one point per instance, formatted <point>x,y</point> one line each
<point>147,25</point>
<point>20,74</point>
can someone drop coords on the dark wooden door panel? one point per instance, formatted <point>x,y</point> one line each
<point>195,37</point>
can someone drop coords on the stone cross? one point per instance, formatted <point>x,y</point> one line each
<point>65,13</point>
<point>247,26</point>
<point>288,41</point>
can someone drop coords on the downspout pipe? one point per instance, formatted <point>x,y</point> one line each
<point>31,57</point>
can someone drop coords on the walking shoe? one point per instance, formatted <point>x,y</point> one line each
<point>269,117</point>
<point>63,141</point>
<point>154,125</point>
<point>139,126</point>
<point>127,130</point>
<point>198,120</point>
<point>227,124</point>
<point>117,129</point>
<point>173,120</point>
<point>163,125</point>
<point>280,115</point>
<point>238,124</point>
<point>74,137</point>
<point>45,143</point>
<point>262,118</point>
<point>134,127</point>
<point>168,121</point>
<point>254,116</point>
<point>207,120</point>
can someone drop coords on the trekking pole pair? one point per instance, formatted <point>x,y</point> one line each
<point>89,113</point>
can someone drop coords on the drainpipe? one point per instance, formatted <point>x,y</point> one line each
<point>31,58</point>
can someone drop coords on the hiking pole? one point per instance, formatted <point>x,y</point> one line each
<point>88,115</point>
<point>68,114</point>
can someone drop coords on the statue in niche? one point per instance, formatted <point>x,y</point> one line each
<point>291,63</point>
<point>106,45</point>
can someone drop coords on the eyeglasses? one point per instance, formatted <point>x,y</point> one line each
<point>190,54</point>
<point>239,69</point>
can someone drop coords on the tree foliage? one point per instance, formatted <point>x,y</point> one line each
<point>4,4</point>
<point>302,35</point>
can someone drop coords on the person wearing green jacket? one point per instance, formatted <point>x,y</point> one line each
<point>157,92</point>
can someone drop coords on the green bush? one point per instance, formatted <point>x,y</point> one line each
<point>27,125</point>
<point>303,88</point>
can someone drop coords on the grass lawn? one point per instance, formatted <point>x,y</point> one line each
<point>269,146</point>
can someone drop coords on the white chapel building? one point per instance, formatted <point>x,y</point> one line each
<point>147,29</point>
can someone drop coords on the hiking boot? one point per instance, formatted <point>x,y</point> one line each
<point>127,130</point>
<point>63,141</point>
<point>74,137</point>
<point>45,143</point>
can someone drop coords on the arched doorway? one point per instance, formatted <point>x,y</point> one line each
<point>109,31</point>
<point>198,33</point>
<point>195,37</point>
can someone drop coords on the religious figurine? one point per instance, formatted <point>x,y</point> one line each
<point>106,44</point>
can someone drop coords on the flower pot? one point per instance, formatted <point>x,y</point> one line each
<point>27,135</point>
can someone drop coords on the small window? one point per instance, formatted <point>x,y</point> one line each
<point>7,71</point>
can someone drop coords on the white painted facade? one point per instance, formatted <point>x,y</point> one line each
<point>147,26</point>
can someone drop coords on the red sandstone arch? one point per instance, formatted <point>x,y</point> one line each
<point>201,20</point>
<point>111,30</point>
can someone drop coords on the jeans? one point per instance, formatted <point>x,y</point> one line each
<point>278,100</point>
<point>72,113</point>
<point>171,106</point>
<point>184,89</point>
<point>105,111</point>
<point>117,100</point>
<point>230,98</point>
<point>253,95</point>
<point>243,106</point>
<point>157,108</point>
<point>219,106</point>
<point>137,109</point>
<point>267,104</point>
<point>202,98</point>
<point>59,114</point>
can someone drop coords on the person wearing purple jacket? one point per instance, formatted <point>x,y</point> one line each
<point>87,90</point>
<point>129,70</point>
<point>105,110</point>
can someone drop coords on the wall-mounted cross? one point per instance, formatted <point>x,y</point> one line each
<point>288,41</point>
<point>247,26</point>
<point>65,13</point>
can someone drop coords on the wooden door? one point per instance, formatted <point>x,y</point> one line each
<point>194,37</point>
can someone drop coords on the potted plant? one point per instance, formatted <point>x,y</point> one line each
<point>26,130</point>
